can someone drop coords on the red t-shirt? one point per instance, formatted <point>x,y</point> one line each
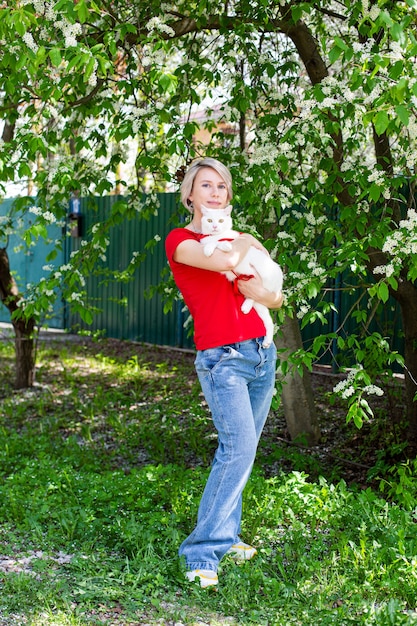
<point>212,300</point>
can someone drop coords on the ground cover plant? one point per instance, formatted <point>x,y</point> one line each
<point>102,465</point>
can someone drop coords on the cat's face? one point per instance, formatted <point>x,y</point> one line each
<point>215,221</point>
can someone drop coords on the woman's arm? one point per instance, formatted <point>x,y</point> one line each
<point>191,252</point>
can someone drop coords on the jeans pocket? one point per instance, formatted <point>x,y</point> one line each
<point>208,360</point>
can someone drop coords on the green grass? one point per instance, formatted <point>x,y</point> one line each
<point>102,466</point>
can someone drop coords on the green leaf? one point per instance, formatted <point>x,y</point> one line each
<point>402,113</point>
<point>82,11</point>
<point>243,104</point>
<point>39,230</point>
<point>375,192</point>
<point>383,291</point>
<point>86,315</point>
<point>55,56</point>
<point>24,170</point>
<point>52,255</point>
<point>396,70</point>
<point>41,55</point>
<point>397,32</point>
<point>393,282</point>
<point>366,408</point>
<point>400,91</point>
<point>10,87</point>
<point>381,122</point>
<point>18,23</point>
<point>270,70</point>
<point>312,290</point>
<point>296,12</point>
<point>334,54</point>
<point>168,83</point>
<point>89,69</point>
<point>358,418</point>
<point>104,64</point>
<point>356,414</point>
<point>340,43</point>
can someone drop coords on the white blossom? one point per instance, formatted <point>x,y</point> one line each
<point>75,297</point>
<point>377,177</point>
<point>303,310</point>
<point>348,392</point>
<point>373,390</point>
<point>49,217</point>
<point>387,270</point>
<point>374,12</point>
<point>155,24</point>
<point>92,80</point>
<point>30,42</point>
<point>36,210</point>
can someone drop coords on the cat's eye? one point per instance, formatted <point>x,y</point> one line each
<point>221,221</point>
<point>209,220</point>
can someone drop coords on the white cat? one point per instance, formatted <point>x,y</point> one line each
<point>217,226</point>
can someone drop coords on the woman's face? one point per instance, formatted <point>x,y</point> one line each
<point>209,189</point>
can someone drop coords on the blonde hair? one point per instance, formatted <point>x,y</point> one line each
<point>191,173</point>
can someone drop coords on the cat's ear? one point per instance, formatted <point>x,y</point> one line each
<point>228,209</point>
<point>204,209</point>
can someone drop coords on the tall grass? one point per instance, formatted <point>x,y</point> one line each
<point>102,465</point>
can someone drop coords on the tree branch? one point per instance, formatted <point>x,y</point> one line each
<point>87,98</point>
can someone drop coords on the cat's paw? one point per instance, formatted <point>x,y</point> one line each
<point>247,305</point>
<point>208,250</point>
<point>266,342</point>
<point>226,246</point>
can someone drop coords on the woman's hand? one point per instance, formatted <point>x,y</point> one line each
<point>254,289</point>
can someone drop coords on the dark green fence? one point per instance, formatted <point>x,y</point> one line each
<point>125,312</point>
<point>386,320</point>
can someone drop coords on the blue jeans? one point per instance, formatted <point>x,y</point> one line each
<point>238,382</point>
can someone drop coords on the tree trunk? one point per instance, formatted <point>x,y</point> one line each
<point>24,328</point>
<point>297,393</point>
<point>25,355</point>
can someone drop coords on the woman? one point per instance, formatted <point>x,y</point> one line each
<point>236,373</point>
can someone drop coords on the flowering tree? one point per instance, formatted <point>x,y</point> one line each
<point>313,106</point>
